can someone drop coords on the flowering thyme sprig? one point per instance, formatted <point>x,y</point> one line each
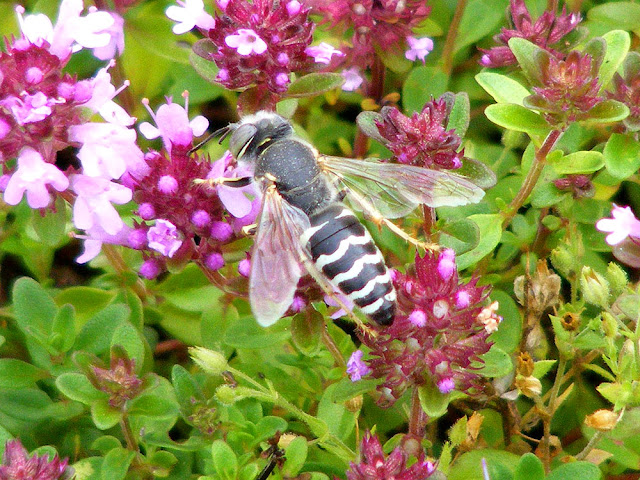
<point>18,465</point>
<point>546,32</point>
<point>375,465</point>
<point>261,43</point>
<point>442,326</point>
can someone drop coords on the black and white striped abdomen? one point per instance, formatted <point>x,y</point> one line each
<point>344,251</point>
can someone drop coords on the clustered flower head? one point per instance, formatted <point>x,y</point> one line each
<point>627,90</point>
<point>375,465</point>
<point>422,139</point>
<point>119,381</point>
<point>182,219</point>
<point>441,328</point>
<point>579,185</point>
<point>384,24</point>
<point>546,32</point>
<point>17,465</point>
<point>261,43</point>
<point>569,88</point>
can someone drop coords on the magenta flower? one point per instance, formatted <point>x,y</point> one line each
<point>93,205</point>
<point>423,138</point>
<point>547,33</point>
<point>419,48</point>
<point>33,176</point>
<point>164,237</point>
<point>119,381</point>
<point>95,236</point>
<point>323,53</point>
<point>356,368</point>
<point>236,200</point>
<point>115,47</point>
<point>260,43</point>
<point>29,108</point>
<point>17,465</point>
<point>188,14</point>
<point>102,93</point>
<point>627,91</point>
<point>174,127</point>
<point>623,224</point>
<point>375,465</point>
<point>352,79</point>
<point>441,327</point>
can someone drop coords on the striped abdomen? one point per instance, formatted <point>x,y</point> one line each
<point>344,251</point>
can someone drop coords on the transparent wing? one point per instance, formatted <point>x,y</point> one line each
<point>395,189</point>
<point>276,261</point>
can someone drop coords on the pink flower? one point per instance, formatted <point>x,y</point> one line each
<point>246,42</point>
<point>173,125</point>
<point>107,149</point>
<point>93,206</point>
<point>356,368</point>
<point>323,53</point>
<point>30,108</point>
<point>102,95</point>
<point>32,176</point>
<point>163,237</point>
<point>623,224</point>
<point>446,385</point>
<point>419,48</point>
<point>189,14</point>
<point>116,40</point>
<point>447,263</point>
<point>352,79</point>
<point>236,200</point>
<point>95,236</point>
<point>17,465</point>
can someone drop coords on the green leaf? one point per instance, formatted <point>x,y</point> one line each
<point>195,299</point>
<point>497,363</point>
<point>345,389</point>
<point>542,367</point>
<point>224,460</point>
<point>246,333</point>
<point>433,403</point>
<point>518,118</point>
<point>531,58</point>
<point>461,236</point>
<point>15,373</point>
<point>480,18</point>
<point>127,337</point>
<point>78,387</point>
<point>622,155</point>
<point>104,416</point>
<point>490,226</point>
<point>367,123</point>
<point>421,84</point>
<point>578,162</point>
<point>460,114</point>
<point>507,338</point>
<point>500,464</point>
<point>529,468</point>
<point>618,43</point>
<point>95,336</point>
<point>198,58</point>
<point>314,84</point>
<point>86,301</point>
<point>581,470</point>
<point>623,15</point>
<point>51,227</point>
<point>608,111</point>
<point>116,464</point>
<point>502,88</point>
<point>34,308</point>
<point>63,330</point>
<point>306,332</point>
<point>185,387</point>
<point>477,172</point>
<point>458,432</point>
<point>340,421</point>
<point>154,405</point>
<point>296,455</point>
<point>393,59</point>
<point>29,405</point>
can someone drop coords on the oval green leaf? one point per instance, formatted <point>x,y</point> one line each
<point>314,84</point>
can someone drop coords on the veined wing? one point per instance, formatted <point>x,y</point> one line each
<point>395,189</point>
<point>276,261</point>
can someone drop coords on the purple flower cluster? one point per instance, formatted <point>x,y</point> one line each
<point>17,465</point>
<point>422,139</point>
<point>119,381</point>
<point>261,43</point>
<point>375,465</point>
<point>442,326</point>
<point>627,91</point>
<point>546,32</point>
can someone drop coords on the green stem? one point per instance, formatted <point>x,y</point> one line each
<point>447,51</point>
<point>532,177</point>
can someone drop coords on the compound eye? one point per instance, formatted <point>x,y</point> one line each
<point>241,138</point>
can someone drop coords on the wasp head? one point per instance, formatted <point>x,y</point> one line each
<point>255,132</point>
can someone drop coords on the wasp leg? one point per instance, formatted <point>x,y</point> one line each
<point>249,230</point>
<point>238,182</point>
<point>371,213</point>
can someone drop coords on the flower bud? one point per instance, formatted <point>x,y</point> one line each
<point>354,404</point>
<point>595,288</point>
<point>602,420</point>
<point>211,362</point>
<point>226,395</point>
<point>525,364</point>
<point>529,386</point>
<point>570,321</point>
<point>609,325</point>
<point>617,278</point>
<point>564,260</point>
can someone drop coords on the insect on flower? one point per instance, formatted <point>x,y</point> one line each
<point>304,226</point>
